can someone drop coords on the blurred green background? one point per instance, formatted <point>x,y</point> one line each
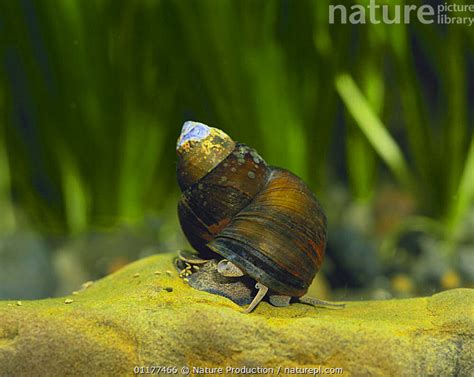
<point>377,118</point>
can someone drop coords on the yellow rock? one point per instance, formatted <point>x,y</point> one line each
<point>122,322</point>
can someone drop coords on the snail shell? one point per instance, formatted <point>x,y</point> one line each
<point>263,219</point>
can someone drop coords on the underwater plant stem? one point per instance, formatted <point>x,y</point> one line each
<point>373,128</point>
<point>76,198</point>
<point>462,200</point>
<point>7,220</point>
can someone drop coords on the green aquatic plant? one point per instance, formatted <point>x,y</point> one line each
<point>388,150</point>
<point>96,93</point>
<point>7,220</point>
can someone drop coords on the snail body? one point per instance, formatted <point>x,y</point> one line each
<point>264,221</point>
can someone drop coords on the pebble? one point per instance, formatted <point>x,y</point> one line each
<point>87,284</point>
<point>68,301</point>
<point>381,294</point>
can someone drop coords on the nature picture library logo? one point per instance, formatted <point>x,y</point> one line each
<point>374,12</point>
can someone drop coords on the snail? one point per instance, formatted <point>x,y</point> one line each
<point>251,224</point>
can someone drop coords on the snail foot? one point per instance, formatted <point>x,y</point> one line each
<point>317,302</point>
<point>206,278</point>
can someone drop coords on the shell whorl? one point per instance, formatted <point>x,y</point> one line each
<point>200,149</point>
<point>208,205</point>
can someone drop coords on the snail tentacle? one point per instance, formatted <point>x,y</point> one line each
<point>317,302</point>
<point>262,291</point>
<point>191,258</point>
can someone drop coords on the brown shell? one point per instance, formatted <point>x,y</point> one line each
<point>263,219</point>
<point>209,205</point>
<point>279,238</point>
<point>197,158</point>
